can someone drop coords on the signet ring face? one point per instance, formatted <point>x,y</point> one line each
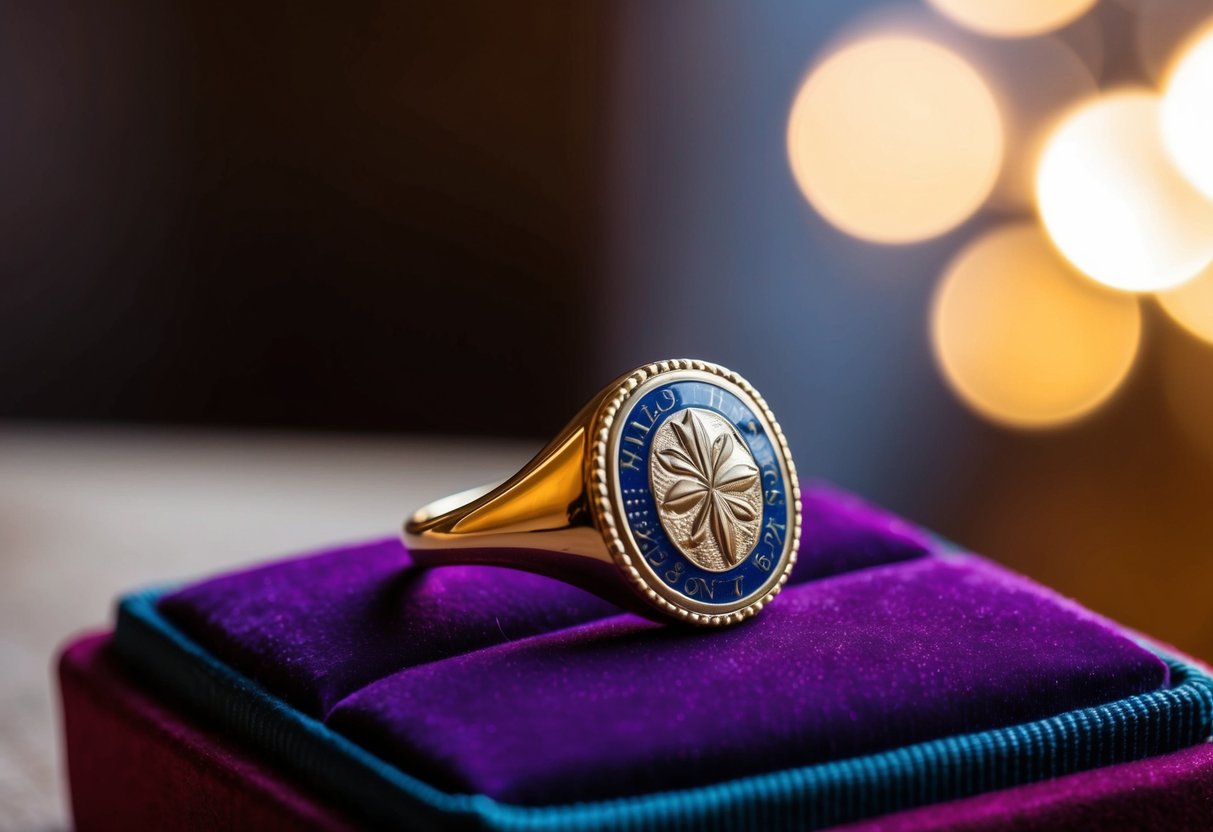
<point>672,493</point>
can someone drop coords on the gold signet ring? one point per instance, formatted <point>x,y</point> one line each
<point>672,494</point>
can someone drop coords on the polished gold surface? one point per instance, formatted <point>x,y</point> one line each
<point>706,484</point>
<point>564,515</point>
<point>546,498</point>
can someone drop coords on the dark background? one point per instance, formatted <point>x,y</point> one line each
<point>465,217</point>
<point>298,215</point>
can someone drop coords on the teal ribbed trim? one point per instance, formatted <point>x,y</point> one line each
<point>810,797</point>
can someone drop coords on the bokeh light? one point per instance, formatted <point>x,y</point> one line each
<point>895,139</point>
<point>1012,18</point>
<point>1114,203</point>
<point>1032,81</point>
<point>1187,113</point>
<point>1022,338</point>
<point>1191,306</point>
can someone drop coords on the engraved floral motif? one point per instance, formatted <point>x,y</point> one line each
<point>714,483</point>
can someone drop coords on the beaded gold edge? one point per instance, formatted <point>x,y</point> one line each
<point>604,510</point>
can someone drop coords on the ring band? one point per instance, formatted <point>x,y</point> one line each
<point>672,493</point>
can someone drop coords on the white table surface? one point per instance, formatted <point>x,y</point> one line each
<point>86,514</point>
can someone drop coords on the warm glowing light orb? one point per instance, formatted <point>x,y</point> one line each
<point>1012,18</point>
<point>895,139</point>
<point>1187,113</point>
<point>1022,338</point>
<point>1191,305</point>
<point>1113,202</point>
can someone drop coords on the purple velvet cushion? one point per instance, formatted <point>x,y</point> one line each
<point>525,689</point>
<point>843,533</point>
<point>315,629</point>
<point>857,663</point>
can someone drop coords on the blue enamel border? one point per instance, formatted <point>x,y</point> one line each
<point>640,421</point>
<point>809,797</point>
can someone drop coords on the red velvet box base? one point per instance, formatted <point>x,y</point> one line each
<point>135,763</point>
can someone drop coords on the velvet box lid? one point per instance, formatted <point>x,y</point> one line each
<point>894,672</point>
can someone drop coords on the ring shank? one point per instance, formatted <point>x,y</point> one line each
<point>543,507</point>
<point>511,525</point>
<point>415,527</point>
